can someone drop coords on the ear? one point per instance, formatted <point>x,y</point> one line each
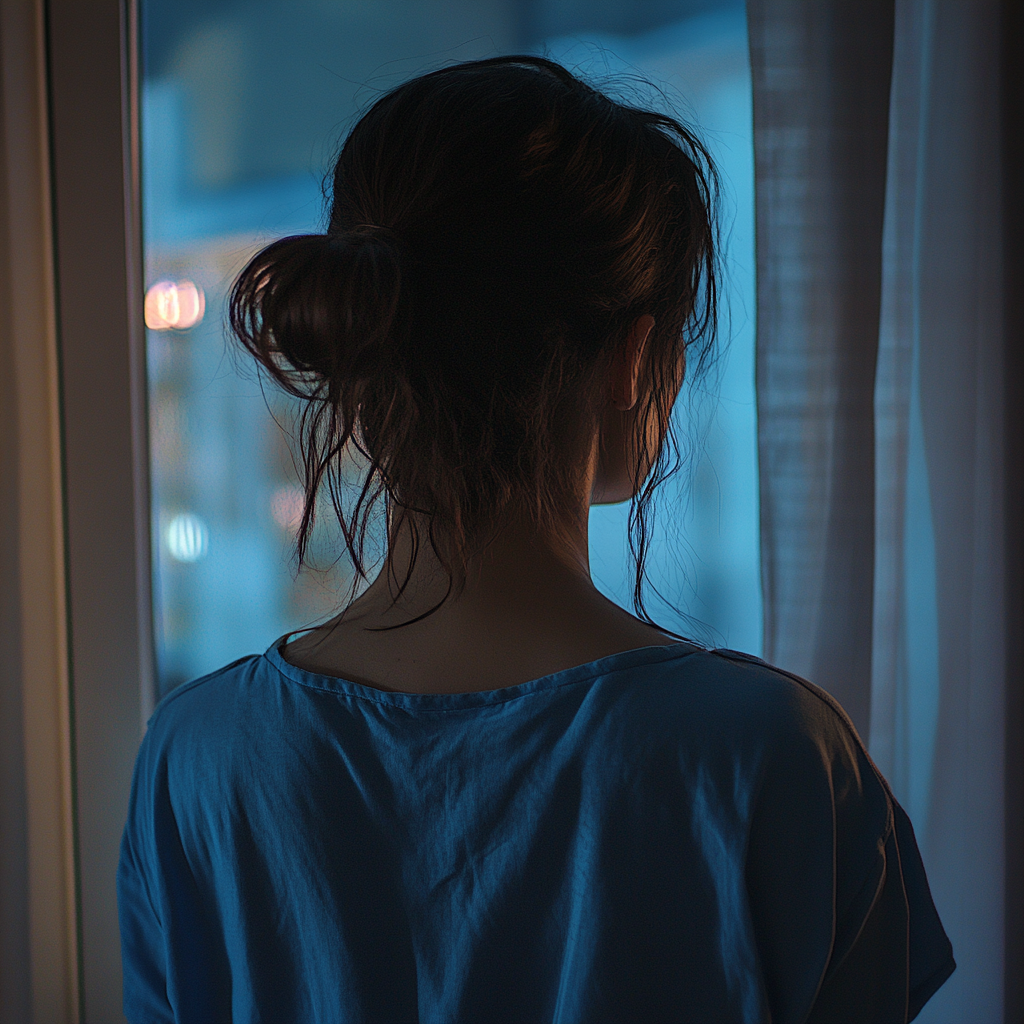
<point>625,368</point>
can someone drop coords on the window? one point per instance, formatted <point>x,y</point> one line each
<point>242,108</point>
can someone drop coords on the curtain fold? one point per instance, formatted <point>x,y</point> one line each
<point>938,717</point>
<point>881,351</point>
<point>821,74</point>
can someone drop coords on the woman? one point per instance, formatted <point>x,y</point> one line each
<point>484,792</point>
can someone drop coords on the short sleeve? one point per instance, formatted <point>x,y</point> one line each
<point>845,925</point>
<point>173,956</point>
<point>930,954</point>
<point>143,950</point>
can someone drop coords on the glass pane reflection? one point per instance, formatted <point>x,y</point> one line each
<point>244,105</point>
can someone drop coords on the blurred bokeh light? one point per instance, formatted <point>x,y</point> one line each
<point>187,537</point>
<point>174,305</point>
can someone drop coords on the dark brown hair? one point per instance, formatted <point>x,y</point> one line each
<point>496,228</point>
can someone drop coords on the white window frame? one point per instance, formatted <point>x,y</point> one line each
<point>92,57</point>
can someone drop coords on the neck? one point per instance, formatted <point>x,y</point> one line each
<point>516,563</point>
<point>526,608</point>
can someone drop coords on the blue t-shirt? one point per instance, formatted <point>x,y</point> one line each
<point>667,834</point>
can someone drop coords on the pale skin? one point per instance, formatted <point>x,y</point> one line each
<point>528,608</point>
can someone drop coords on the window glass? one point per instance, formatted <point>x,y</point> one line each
<point>244,105</point>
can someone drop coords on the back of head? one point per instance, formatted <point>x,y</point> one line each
<point>496,228</point>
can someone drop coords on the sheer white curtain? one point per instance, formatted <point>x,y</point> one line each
<point>880,192</point>
<point>938,671</point>
<point>821,83</point>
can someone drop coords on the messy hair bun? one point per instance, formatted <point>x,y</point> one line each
<point>320,307</point>
<point>496,228</point>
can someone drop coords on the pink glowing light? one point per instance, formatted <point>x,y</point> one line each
<point>174,305</point>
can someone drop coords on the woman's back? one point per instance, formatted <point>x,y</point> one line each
<point>665,834</point>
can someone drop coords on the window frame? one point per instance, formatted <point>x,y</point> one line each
<point>94,161</point>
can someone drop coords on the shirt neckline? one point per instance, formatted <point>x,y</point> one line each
<point>477,698</point>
